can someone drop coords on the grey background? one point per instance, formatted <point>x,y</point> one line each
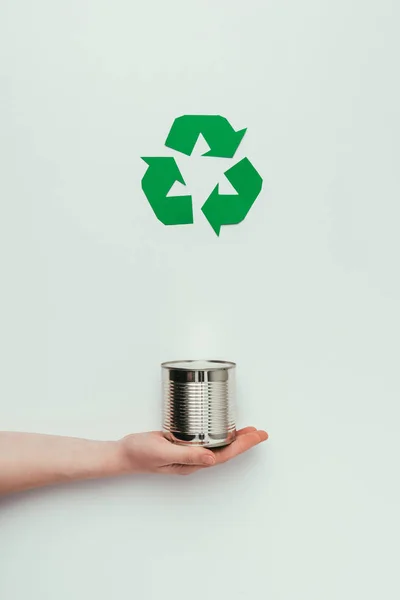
<point>304,294</point>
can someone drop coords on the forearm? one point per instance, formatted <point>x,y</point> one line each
<point>29,460</point>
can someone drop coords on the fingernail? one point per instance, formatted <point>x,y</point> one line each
<point>208,460</point>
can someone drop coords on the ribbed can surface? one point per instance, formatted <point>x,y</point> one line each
<point>199,402</point>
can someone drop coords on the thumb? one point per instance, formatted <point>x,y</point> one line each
<point>189,455</point>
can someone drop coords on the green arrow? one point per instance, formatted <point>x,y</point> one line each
<point>156,183</point>
<point>216,130</point>
<point>231,209</point>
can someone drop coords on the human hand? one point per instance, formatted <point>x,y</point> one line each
<point>152,453</point>
<point>32,460</point>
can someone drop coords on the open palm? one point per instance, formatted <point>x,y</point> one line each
<point>152,453</point>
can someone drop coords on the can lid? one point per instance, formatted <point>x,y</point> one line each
<point>199,365</point>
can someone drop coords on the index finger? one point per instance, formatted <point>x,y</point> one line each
<point>242,443</point>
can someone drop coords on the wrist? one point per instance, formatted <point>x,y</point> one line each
<point>97,459</point>
<point>112,459</point>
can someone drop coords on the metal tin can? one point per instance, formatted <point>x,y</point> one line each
<point>199,402</point>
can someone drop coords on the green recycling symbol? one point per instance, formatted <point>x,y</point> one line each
<point>163,172</point>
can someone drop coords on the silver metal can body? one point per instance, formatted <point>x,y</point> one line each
<point>199,402</point>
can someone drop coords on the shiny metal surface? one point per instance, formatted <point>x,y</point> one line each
<point>199,402</point>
